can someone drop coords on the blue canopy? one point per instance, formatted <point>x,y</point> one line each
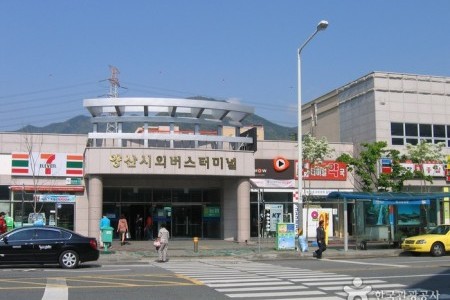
<point>387,196</point>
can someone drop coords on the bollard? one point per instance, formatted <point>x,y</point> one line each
<point>195,244</point>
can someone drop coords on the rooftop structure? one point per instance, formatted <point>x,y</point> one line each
<point>198,115</point>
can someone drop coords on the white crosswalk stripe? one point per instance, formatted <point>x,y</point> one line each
<point>255,280</point>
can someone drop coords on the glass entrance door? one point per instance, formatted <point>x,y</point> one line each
<point>186,220</point>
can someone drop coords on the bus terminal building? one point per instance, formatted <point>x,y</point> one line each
<point>193,165</point>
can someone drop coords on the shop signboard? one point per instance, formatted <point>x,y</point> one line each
<point>273,215</point>
<point>47,164</point>
<point>55,198</point>
<point>73,181</point>
<point>327,170</point>
<point>211,213</point>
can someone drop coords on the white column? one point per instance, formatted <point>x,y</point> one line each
<point>243,210</point>
<point>345,226</point>
<point>172,131</point>
<point>119,130</point>
<point>145,135</point>
<point>196,132</point>
<point>229,209</point>
<point>95,198</point>
<point>220,133</point>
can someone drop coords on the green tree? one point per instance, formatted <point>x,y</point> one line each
<point>422,153</point>
<point>365,168</point>
<point>315,151</point>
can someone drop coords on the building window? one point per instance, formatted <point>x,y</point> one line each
<point>411,129</point>
<point>411,133</point>
<point>398,141</point>
<point>397,129</point>
<point>425,130</point>
<point>439,131</point>
<point>411,141</point>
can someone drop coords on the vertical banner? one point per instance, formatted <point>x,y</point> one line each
<point>325,217</point>
<point>295,203</point>
<point>446,205</point>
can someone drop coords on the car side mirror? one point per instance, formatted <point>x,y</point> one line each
<point>4,240</point>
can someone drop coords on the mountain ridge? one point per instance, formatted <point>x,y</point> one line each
<point>81,124</point>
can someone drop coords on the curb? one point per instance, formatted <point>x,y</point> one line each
<point>247,254</point>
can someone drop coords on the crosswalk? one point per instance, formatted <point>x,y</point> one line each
<point>250,280</point>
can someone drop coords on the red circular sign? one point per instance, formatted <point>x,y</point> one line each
<point>280,164</point>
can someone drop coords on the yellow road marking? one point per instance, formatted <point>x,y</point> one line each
<point>195,281</point>
<point>117,281</point>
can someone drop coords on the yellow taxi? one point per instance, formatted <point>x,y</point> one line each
<point>436,242</point>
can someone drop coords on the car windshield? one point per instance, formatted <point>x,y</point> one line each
<point>440,230</point>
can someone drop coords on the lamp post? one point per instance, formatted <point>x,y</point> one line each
<point>321,26</point>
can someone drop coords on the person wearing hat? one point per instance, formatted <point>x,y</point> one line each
<point>320,236</point>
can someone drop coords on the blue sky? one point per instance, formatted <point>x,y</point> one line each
<point>54,54</point>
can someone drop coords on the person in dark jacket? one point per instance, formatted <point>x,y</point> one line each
<point>320,235</point>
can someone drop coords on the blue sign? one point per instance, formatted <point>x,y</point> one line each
<point>401,202</point>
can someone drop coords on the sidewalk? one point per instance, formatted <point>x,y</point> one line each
<point>138,251</point>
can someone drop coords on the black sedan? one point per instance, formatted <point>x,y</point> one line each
<point>47,245</point>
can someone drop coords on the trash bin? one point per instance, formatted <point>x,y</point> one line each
<point>107,235</point>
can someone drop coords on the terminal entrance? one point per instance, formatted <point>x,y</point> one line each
<point>187,220</point>
<point>186,213</point>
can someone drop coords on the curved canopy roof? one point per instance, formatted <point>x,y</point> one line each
<point>387,196</point>
<point>167,110</point>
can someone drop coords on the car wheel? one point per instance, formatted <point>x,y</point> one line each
<point>69,259</point>
<point>437,249</point>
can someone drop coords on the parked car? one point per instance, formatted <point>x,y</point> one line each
<point>436,242</point>
<point>47,245</point>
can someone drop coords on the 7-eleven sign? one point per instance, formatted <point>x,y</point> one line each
<point>47,164</point>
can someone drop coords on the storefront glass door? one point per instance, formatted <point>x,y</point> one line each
<point>186,220</point>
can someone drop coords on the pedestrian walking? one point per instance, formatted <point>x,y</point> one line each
<point>163,236</point>
<point>320,236</point>
<point>138,227</point>
<point>104,223</point>
<point>148,230</point>
<point>122,229</point>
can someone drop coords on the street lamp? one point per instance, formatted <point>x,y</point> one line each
<point>321,26</point>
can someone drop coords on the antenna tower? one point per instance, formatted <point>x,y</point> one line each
<point>111,127</point>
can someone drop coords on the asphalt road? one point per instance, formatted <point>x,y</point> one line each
<point>379,278</point>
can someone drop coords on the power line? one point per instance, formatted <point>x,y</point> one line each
<point>45,91</point>
<point>58,100</point>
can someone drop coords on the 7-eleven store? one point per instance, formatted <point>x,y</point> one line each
<point>46,183</point>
